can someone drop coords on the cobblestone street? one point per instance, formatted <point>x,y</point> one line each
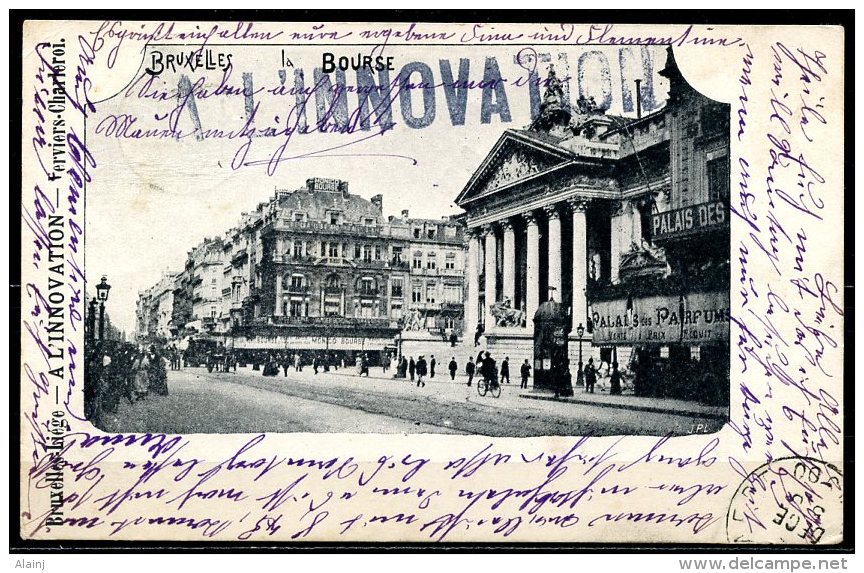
<point>339,401</point>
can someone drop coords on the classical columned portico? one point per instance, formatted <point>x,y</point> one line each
<point>490,264</point>
<point>472,304</point>
<point>580,262</point>
<point>532,271</point>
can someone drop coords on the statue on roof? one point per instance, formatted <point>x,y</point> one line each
<point>554,110</point>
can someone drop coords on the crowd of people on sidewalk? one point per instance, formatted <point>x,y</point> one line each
<point>117,370</point>
<point>484,367</point>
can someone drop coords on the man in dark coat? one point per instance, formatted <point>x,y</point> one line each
<point>452,367</point>
<point>488,370</point>
<point>525,371</point>
<point>590,376</point>
<point>469,370</point>
<point>421,371</point>
<point>505,370</point>
<point>615,380</point>
<point>412,368</point>
<point>432,364</point>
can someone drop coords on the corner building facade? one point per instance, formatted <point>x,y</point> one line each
<point>624,221</point>
<point>318,270</point>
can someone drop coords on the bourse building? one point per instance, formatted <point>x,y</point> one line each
<point>623,220</point>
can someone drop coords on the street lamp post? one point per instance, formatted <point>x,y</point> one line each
<point>580,374</point>
<point>91,321</point>
<point>102,295</point>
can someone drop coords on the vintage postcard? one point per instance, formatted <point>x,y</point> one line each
<point>424,283</point>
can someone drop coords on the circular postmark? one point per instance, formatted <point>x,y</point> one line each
<point>788,501</point>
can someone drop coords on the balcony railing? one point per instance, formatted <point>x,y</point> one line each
<point>346,321</point>
<point>327,228</point>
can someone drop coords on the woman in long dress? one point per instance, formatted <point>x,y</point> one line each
<point>158,374</point>
<point>141,380</point>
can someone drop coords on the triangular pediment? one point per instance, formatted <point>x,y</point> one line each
<point>516,157</point>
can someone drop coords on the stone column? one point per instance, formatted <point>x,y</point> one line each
<point>618,237</point>
<point>509,262</point>
<point>532,272</point>
<point>580,262</point>
<point>554,255</point>
<point>490,268</point>
<point>278,310</point>
<point>472,302</point>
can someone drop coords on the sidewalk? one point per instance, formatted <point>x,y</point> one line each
<point>631,402</point>
<point>603,400</point>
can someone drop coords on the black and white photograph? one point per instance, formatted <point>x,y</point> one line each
<point>568,276</point>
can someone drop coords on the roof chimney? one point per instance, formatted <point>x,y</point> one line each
<point>378,201</point>
<point>404,214</point>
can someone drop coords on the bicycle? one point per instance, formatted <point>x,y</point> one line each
<point>491,385</point>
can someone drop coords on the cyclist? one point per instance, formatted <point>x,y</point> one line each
<point>489,371</point>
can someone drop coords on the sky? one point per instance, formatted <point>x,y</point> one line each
<point>152,199</point>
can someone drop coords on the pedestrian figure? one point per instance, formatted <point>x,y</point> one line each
<point>453,339</point>
<point>525,371</point>
<point>412,368</point>
<point>286,364</point>
<point>420,368</point>
<point>469,370</point>
<point>477,334</point>
<point>590,375</point>
<point>432,364</point>
<point>158,375</point>
<point>615,380</point>
<point>505,370</point>
<point>364,366</point>
<point>141,380</point>
<point>315,364</point>
<point>452,367</point>
<point>488,370</point>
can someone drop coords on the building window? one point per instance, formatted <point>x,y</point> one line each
<point>296,282</point>
<point>367,286</point>
<point>418,261</point>
<point>397,255</point>
<point>332,306</point>
<point>396,288</point>
<point>334,218</point>
<point>295,308</point>
<point>369,221</point>
<point>416,293</point>
<point>396,310</point>
<point>300,217</point>
<point>452,293</point>
<point>430,261</point>
<point>334,250</point>
<point>377,252</point>
<point>450,262</point>
<point>430,294</point>
<point>417,232</point>
<point>357,254</point>
<point>718,179</point>
<point>367,253</point>
<point>298,249</point>
<point>430,233</point>
<point>323,251</point>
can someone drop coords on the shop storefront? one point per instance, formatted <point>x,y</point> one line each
<point>678,345</point>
